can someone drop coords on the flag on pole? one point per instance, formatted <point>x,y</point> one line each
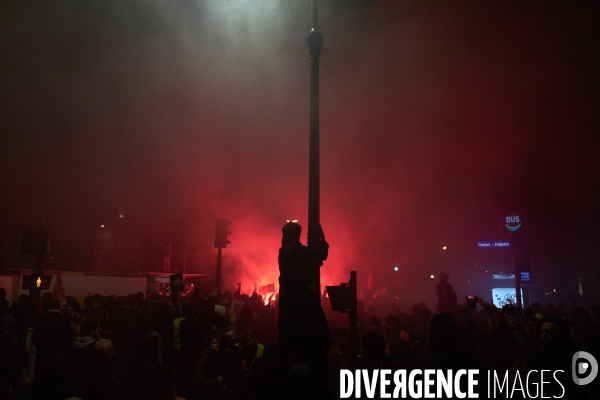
<point>59,290</point>
<point>262,290</point>
<point>370,282</point>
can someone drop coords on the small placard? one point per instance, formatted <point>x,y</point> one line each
<point>177,284</point>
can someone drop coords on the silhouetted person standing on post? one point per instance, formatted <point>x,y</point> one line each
<point>446,295</point>
<point>167,250</point>
<point>304,337</point>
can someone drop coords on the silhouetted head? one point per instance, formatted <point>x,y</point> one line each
<point>54,305</point>
<point>249,333</point>
<point>376,322</point>
<point>555,332</point>
<point>444,333</point>
<point>443,277</point>
<point>97,300</point>
<point>212,342</point>
<point>69,312</point>
<point>230,337</point>
<point>162,384</point>
<point>373,343</point>
<point>88,327</point>
<point>188,311</point>
<point>130,300</point>
<point>291,232</point>
<point>104,348</point>
<point>88,302</point>
<point>575,333</point>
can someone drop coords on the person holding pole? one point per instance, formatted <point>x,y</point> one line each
<point>304,336</point>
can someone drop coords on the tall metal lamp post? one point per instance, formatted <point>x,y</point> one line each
<point>315,43</point>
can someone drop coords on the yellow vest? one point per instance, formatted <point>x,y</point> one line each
<point>176,340</point>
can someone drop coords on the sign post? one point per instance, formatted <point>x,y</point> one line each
<point>177,286</point>
<point>343,299</point>
<point>36,241</point>
<point>512,222</point>
<point>221,241</point>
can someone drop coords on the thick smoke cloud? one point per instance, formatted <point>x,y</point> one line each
<point>436,120</point>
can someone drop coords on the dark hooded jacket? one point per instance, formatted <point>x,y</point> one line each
<point>301,316</point>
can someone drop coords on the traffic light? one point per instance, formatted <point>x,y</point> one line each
<point>221,233</point>
<point>36,281</point>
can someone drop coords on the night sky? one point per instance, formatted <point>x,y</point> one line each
<point>437,119</point>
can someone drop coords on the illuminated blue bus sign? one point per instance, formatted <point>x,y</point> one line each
<point>512,222</point>
<point>494,244</point>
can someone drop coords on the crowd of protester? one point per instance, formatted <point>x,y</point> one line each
<point>148,346</point>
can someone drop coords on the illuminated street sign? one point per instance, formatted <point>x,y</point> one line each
<point>487,244</point>
<point>512,222</point>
